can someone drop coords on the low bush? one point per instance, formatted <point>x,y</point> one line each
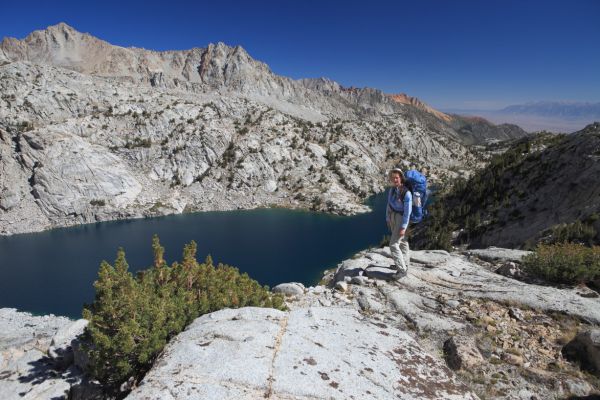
<point>575,232</point>
<point>569,263</point>
<point>132,318</point>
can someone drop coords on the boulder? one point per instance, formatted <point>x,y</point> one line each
<point>585,349</point>
<point>351,268</point>
<point>462,353</point>
<point>61,349</point>
<point>509,269</point>
<point>382,273</point>
<point>359,280</point>
<point>341,286</point>
<point>289,289</point>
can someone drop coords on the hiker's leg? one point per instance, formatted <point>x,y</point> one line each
<point>395,243</point>
<point>405,249</point>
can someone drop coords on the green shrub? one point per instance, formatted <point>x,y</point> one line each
<point>132,318</point>
<point>576,232</point>
<point>569,263</point>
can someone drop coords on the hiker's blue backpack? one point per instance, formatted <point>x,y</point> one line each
<point>416,182</point>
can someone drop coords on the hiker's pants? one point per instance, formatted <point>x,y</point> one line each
<point>399,245</point>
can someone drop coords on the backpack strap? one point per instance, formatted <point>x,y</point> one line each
<point>403,192</point>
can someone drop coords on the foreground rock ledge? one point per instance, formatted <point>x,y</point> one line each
<point>308,353</point>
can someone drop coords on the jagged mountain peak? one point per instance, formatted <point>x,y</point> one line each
<point>214,67</point>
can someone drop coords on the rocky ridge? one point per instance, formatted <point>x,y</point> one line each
<point>93,132</point>
<point>453,328</point>
<point>540,184</point>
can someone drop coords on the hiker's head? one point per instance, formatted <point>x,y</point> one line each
<point>396,177</point>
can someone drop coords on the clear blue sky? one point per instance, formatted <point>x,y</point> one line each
<point>451,54</point>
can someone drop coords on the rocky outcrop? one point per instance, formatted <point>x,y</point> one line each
<point>452,328</point>
<point>585,349</point>
<point>543,189</point>
<point>480,323</point>
<point>371,336</point>
<point>36,358</point>
<point>308,353</point>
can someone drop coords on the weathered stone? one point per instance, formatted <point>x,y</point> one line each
<point>509,269</point>
<point>26,370</point>
<point>512,358</point>
<point>289,289</point>
<point>576,387</point>
<point>87,390</point>
<point>430,258</point>
<point>381,273</point>
<point>359,280</point>
<point>351,268</point>
<point>306,353</point>
<point>462,353</point>
<point>341,286</point>
<point>9,199</point>
<point>61,350</point>
<point>453,303</point>
<point>516,314</point>
<point>585,349</point>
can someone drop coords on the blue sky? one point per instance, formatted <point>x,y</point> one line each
<point>451,54</point>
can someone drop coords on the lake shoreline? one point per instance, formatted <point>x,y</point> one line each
<point>272,245</point>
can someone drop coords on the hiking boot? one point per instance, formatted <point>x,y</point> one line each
<point>400,274</point>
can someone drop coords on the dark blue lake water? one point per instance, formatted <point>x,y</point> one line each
<point>53,271</point>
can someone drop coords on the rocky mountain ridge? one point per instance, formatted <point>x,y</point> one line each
<point>93,132</point>
<point>541,186</point>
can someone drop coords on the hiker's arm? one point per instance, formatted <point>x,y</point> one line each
<point>388,212</point>
<point>406,214</point>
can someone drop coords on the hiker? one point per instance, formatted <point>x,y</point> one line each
<point>397,216</point>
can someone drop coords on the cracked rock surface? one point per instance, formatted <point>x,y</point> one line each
<point>303,354</point>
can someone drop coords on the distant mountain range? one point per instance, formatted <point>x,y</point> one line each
<point>573,110</point>
<point>553,116</point>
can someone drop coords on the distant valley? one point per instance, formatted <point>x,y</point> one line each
<point>557,117</point>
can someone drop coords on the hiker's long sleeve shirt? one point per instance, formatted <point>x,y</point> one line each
<point>403,206</point>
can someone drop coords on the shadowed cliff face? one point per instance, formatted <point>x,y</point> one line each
<point>92,132</point>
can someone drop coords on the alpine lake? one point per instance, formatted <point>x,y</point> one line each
<point>52,272</point>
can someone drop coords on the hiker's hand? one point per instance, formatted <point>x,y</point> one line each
<point>402,232</point>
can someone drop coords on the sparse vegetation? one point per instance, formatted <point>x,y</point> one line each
<point>138,142</point>
<point>569,263</point>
